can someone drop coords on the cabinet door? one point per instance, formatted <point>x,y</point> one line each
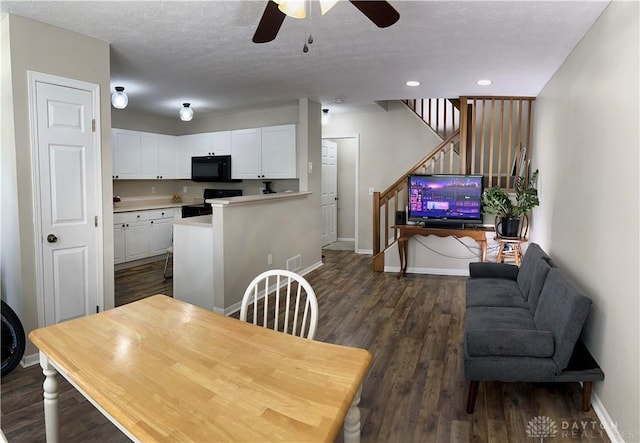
<point>160,236</point>
<point>246,159</point>
<point>279,151</point>
<point>118,243</point>
<point>137,240</point>
<point>149,149</point>
<point>127,155</point>
<point>167,156</point>
<point>221,142</point>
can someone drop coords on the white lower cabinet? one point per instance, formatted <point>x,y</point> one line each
<point>141,234</point>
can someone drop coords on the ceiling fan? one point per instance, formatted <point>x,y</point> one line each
<point>378,11</point>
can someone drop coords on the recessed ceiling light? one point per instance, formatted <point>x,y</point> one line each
<point>484,82</point>
<point>413,83</point>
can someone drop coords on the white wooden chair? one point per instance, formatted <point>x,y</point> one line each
<point>286,296</point>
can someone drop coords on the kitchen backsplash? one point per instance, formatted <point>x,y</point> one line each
<point>155,188</point>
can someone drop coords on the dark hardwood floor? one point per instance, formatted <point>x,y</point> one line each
<point>415,390</point>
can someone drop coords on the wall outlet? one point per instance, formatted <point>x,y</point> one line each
<point>270,259</point>
<point>153,189</point>
<point>370,191</point>
<point>184,189</point>
<point>310,167</point>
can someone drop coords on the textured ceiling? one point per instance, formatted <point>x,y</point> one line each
<point>167,53</point>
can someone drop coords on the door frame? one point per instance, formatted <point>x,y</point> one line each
<point>34,77</point>
<point>357,179</point>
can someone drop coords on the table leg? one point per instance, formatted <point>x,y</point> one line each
<point>352,420</point>
<point>483,248</point>
<point>402,252</point>
<point>50,387</point>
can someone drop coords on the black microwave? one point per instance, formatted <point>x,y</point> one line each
<point>213,168</point>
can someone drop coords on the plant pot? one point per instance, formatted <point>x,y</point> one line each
<point>509,227</point>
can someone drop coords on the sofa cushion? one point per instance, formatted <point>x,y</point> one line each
<point>540,272</point>
<point>533,254</point>
<point>562,309</point>
<point>509,342</point>
<point>494,292</point>
<point>484,317</point>
<point>493,270</point>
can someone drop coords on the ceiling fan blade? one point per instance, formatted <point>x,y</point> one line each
<point>270,23</point>
<point>379,12</point>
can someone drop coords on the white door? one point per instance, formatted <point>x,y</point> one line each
<point>69,194</point>
<point>329,192</point>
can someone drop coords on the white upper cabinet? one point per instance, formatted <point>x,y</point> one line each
<point>127,154</point>
<point>268,152</point>
<point>168,154</point>
<point>246,157</point>
<point>279,151</point>
<point>143,155</point>
<point>149,146</point>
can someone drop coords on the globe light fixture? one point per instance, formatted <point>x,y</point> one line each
<point>325,116</point>
<point>186,113</point>
<point>119,99</point>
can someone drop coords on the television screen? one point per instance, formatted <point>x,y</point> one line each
<point>442,198</point>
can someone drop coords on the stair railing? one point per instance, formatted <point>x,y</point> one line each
<point>442,160</point>
<point>442,115</point>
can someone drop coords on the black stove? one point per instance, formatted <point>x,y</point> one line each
<point>205,208</point>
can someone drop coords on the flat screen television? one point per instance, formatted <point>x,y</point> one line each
<point>445,200</point>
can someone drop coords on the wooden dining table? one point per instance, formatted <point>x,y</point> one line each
<point>163,370</point>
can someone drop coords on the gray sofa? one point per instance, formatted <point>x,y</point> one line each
<point>523,325</point>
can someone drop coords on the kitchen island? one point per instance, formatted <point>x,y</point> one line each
<point>216,256</point>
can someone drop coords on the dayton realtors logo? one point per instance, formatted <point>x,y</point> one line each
<point>541,427</point>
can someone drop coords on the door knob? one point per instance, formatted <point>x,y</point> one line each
<point>52,238</point>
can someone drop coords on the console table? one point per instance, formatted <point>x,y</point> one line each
<point>408,231</point>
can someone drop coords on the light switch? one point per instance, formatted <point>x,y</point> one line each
<point>310,167</point>
<point>370,191</point>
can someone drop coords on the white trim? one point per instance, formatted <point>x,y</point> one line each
<point>30,360</point>
<point>345,239</point>
<point>432,271</point>
<point>610,427</point>
<point>236,306</point>
<point>34,77</point>
<point>364,251</point>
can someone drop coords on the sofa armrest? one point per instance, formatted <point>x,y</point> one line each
<point>509,342</point>
<point>493,270</point>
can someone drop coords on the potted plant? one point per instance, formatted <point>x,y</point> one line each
<point>496,201</point>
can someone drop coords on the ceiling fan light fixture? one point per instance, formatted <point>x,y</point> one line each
<point>119,99</point>
<point>292,8</point>
<point>484,82</point>
<point>413,83</point>
<point>186,113</point>
<point>325,5</point>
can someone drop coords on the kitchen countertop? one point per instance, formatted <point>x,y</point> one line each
<point>143,205</point>
<point>201,220</point>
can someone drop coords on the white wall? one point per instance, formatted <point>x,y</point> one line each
<point>43,48</point>
<point>586,140</point>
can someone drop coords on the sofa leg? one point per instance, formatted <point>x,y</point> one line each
<point>473,393</point>
<point>587,386</point>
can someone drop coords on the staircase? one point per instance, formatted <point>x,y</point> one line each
<point>480,135</point>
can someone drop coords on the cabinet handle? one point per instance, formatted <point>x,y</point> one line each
<point>127,225</point>
<point>162,213</point>
<point>151,221</point>
<point>138,216</point>
<point>123,226</point>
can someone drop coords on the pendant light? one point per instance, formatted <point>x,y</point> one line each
<point>325,116</point>
<point>119,99</point>
<point>186,113</point>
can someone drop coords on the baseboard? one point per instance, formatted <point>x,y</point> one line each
<point>432,271</point>
<point>365,251</point>
<point>609,426</point>
<point>345,239</point>
<point>236,306</point>
<point>30,360</point>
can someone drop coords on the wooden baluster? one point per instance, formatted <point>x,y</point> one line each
<point>492,121</point>
<point>500,146</point>
<point>509,146</point>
